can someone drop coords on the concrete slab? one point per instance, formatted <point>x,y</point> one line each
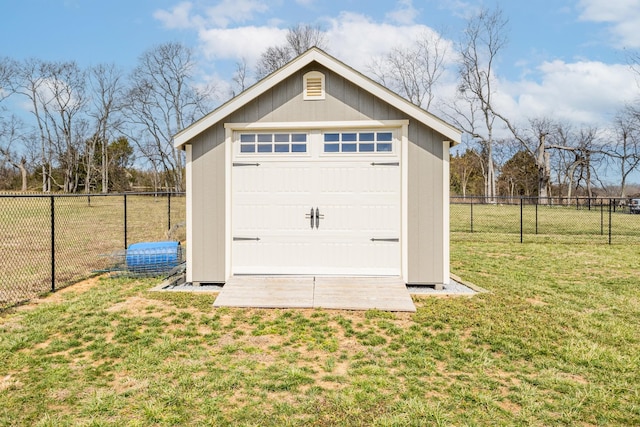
<point>349,293</point>
<point>362,293</point>
<point>266,292</point>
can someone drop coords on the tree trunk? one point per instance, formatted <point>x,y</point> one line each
<point>23,173</point>
<point>105,168</point>
<point>491,177</point>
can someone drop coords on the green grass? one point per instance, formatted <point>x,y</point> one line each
<point>543,224</point>
<point>556,341</point>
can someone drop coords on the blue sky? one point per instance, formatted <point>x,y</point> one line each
<point>565,58</point>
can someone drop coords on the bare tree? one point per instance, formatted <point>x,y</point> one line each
<point>240,77</point>
<point>64,101</point>
<point>464,170</point>
<point>302,37</point>
<point>624,150</point>
<point>633,59</point>
<point>56,95</point>
<point>10,128</point>
<point>584,154</point>
<point>11,132</point>
<point>414,71</point>
<point>474,110</point>
<point>107,93</point>
<point>272,59</point>
<point>30,80</point>
<point>162,100</point>
<point>299,39</point>
<point>534,140</point>
<point>8,72</point>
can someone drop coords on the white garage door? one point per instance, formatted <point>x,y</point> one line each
<point>316,203</point>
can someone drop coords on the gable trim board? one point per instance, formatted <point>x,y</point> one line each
<point>421,149</point>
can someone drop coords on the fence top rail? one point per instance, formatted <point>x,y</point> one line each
<point>550,198</point>
<point>57,195</point>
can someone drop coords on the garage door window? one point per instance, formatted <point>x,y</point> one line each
<point>265,143</point>
<point>358,142</point>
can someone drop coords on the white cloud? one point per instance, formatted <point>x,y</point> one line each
<point>404,14</point>
<point>239,43</point>
<point>221,15</point>
<point>356,39</point>
<point>581,92</point>
<point>622,15</point>
<point>177,18</point>
<point>344,37</point>
<point>235,11</point>
<point>460,8</point>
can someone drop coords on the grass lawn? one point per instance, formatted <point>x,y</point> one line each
<point>545,223</point>
<point>556,341</point>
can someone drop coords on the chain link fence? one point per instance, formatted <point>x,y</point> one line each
<point>533,219</point>
<point>51,241</point>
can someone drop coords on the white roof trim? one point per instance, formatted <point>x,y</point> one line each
<point>315,54</point>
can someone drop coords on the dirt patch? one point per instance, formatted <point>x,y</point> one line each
<point>536,302</point>
<point>9,382</point>
<point>509,406</point>
<point>138,306</point>
<point>508,255</point>
<point>573,378</point>
<point>126,384</point>
<point>81,287</point>
<point>59,295</point>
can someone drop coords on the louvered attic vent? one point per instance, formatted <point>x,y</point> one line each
<point>313,85</point>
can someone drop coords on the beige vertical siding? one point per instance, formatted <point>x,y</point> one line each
<point>344,102</point>
<point>425,195</point>
<point>208,219</point>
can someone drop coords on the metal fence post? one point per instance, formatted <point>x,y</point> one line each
<point>169,211</point>
<point>610,203</point>
<point>521,219</point>
<point>53,243</point>
<point>472,215</point>
<point>537,200</point>
<point>125,221</point>
<point>601,218</point>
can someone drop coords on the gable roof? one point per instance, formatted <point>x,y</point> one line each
<point>316,55</point>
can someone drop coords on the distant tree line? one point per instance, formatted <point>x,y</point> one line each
<point>99,129</point>
<point>552,159</point>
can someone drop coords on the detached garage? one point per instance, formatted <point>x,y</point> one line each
<point>317,170</point>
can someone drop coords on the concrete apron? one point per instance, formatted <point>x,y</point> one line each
<point>348,293</point>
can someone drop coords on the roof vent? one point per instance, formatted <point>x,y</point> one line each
<point>314,85</point>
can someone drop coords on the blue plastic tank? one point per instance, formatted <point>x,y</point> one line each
<point>153,257</point>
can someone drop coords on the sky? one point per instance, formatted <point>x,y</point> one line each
<point>565,59</point>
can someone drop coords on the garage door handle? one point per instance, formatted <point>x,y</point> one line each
<point>310,217</point>
<point>319,216</point>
